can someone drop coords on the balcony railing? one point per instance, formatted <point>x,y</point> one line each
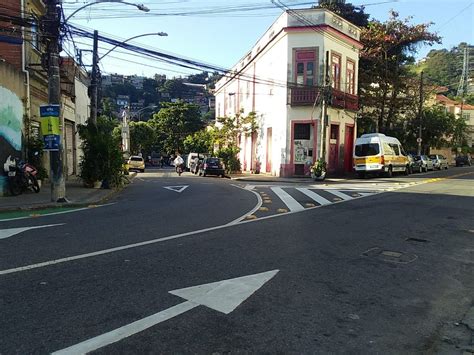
<point>302,96</point>
<point>305,96</point>
<point>341,99</point>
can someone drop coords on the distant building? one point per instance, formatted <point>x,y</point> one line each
<point>122,101</point>
<point>136,81</point>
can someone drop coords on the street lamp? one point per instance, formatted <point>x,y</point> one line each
<point>140,7</point>
<point>162,34</point>
<point>143,109</point>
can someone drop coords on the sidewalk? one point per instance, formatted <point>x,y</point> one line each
<point>262,177</point>
<point>76,194</point>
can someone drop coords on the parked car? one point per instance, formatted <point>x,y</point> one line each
<point>423,163</point>
<point>136,162</point>
<point>212,166</point>
<point>439,161</point>
<point>462,160</point>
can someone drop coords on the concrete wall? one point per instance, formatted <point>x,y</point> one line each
<point>12,94</point>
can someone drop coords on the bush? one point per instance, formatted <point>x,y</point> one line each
<point>102,158</point>
<point>229,156</point>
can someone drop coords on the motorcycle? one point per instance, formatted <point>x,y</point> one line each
<point>21,176</point>
<point>179,169</point>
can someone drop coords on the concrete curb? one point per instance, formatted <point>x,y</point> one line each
<point>93,201</point>
<point>284,180</point>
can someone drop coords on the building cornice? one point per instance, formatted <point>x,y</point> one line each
<point>328,29</point>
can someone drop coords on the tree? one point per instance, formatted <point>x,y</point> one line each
<point>102,158</point>
<point>142,137</point>
<point>353,14</point>
<point>437,129</point>
<point>443,67</point>
<point>174,122</point>
<point>200,142</point>
<point>384,77</point>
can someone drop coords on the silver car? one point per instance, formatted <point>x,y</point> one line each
<point>423,163</point>
<point>439,161</point>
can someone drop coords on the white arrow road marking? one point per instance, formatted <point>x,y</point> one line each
<point>7,233</point>
<point>223,296</point>
<point>178,189</point>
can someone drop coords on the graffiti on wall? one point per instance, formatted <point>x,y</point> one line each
<point>11,124</point>
<point>11,118</point>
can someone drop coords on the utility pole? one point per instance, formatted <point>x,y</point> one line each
<point>420,113</point>
<point>464,80</point>
<point>94,74</point>
<point>58,185</point>
<point>324,118</point>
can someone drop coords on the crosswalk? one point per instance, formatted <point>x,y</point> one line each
<point>283,199</point>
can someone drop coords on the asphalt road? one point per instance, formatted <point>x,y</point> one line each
<point>367,266</point>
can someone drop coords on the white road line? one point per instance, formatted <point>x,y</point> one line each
<point>159,240</point>
<point>253,210</point>
<point>319,199</point>
<point>56,213</point>
<point>289,201</point>
<point>339,194</point>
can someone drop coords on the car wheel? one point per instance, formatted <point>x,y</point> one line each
<point>420,169</point>
<point>361,175</point>
<point>407,170</point>
<point>203,174</point>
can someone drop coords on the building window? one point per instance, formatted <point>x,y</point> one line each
<point>350,77</point>
<point>305,68</point>
<point>34,33</point>
<point>336,71</point>
<point>302,131</point>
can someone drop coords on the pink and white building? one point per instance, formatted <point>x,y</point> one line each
<point>281,79</point>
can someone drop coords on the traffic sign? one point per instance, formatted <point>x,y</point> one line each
<point>419,140</point>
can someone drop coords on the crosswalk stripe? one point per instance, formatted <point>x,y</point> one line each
<point>339,194</point>
<point>366,193</point>
<point>319,199</point>
<point>292,204</point>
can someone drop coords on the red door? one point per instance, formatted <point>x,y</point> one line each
<point>268,167</point>
<point>333,148</point>
<point>348,148</point>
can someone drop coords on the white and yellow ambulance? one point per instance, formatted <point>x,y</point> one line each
<point>378,153</point>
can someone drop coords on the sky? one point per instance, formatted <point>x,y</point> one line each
<point>222,32</point>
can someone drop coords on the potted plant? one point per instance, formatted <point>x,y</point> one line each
<point>319,170</point>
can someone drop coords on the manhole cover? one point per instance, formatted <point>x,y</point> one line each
<point>390,256</point>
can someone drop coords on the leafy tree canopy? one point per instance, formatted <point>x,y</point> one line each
<point>174,122</point>
<point>353,14</point>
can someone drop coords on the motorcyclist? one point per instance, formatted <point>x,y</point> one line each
<point>178,163</point>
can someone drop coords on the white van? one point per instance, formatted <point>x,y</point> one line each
<point>190,159</point>
<point>378,153</point>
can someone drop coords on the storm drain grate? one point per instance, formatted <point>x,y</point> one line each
<point>417,240</point>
